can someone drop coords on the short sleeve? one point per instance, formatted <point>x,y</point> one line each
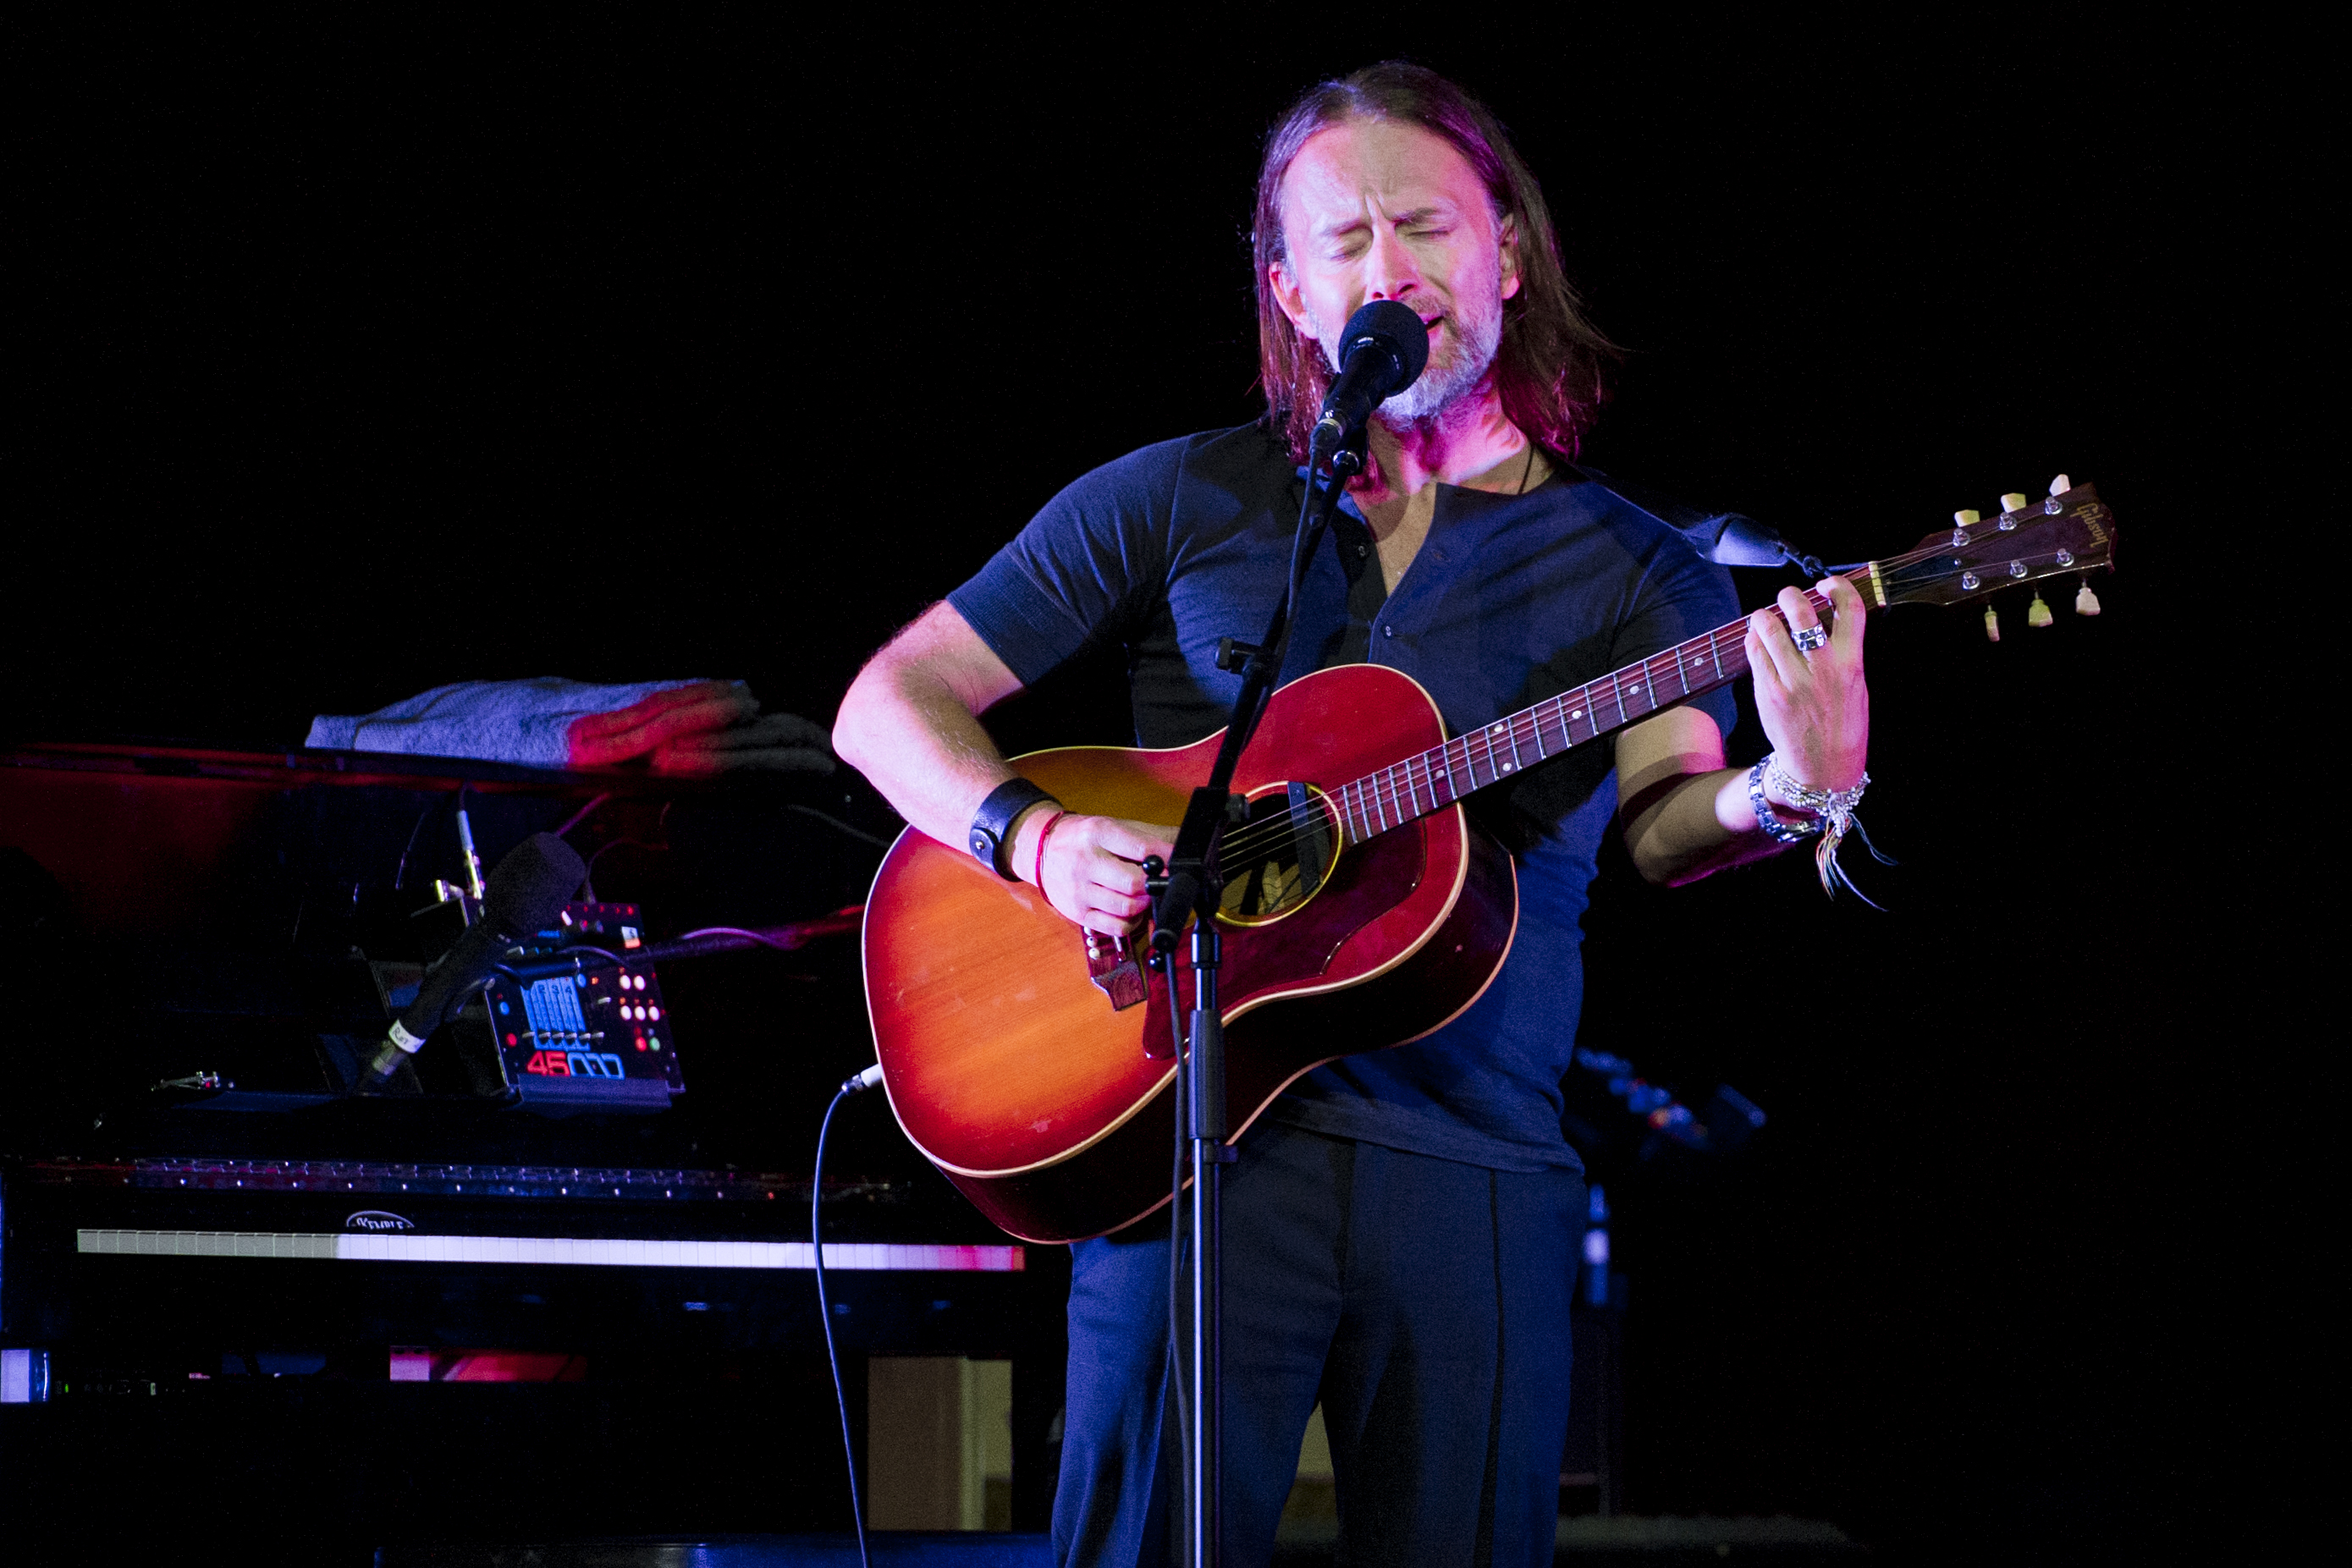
<point>1681,597</point>
<point>1084,567</point>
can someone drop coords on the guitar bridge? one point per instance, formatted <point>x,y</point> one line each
<point>1111,963</point>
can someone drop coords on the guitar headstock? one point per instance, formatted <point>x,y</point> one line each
<point>2068,535</point>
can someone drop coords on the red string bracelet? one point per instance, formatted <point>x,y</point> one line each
<point>1037,872</point>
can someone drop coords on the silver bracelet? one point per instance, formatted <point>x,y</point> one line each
<point>1836,806</point>
<point>1772,822</point>
<point>1836,818</point>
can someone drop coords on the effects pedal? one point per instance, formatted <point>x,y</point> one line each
<point>598,1040</point>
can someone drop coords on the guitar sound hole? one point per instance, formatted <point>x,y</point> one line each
<point>1279,859</point>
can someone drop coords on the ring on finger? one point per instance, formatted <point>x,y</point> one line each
<point>1811,637</point>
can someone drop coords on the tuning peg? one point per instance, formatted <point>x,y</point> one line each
<point>2085,602</point>
<point>2037,614</point>
<point>1993,625</point>
<point>2014,501</point>
<point>2060,485</point>
<point>1967,516</point>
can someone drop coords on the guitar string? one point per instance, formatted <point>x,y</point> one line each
<point>1397,790</point>
<point>1419,773</point>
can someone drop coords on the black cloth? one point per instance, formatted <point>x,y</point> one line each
<point>1512,599</point>
<point>1423,1302</point>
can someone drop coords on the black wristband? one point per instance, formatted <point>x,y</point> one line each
<point>992,825</point>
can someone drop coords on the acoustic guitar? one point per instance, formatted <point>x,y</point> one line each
<point>1032,1063</point>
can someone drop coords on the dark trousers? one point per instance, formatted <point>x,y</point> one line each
<point>1423,1302</point>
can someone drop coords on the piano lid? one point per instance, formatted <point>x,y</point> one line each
<point>302,766</point>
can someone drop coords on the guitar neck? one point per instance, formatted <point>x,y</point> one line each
<point>1433,780</point>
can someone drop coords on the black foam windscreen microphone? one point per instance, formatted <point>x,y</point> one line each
<point>525,893</point>
<point>1382,350</point>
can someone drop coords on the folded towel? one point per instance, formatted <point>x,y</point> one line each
<point>526,722</point>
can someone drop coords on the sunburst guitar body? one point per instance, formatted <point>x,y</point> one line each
<point>1040,1077</point>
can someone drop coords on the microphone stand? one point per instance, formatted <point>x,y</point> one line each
<point>1189,882</point>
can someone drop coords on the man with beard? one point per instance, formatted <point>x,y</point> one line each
<point>1401,1226</point>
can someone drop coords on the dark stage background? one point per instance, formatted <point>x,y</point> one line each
<point>359,354</point>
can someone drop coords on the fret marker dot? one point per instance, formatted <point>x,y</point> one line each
<point>1576,713</point>
<point>1507,768</point>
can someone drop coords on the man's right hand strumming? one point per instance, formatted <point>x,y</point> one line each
<point>910,724</point>
<point>1092,866</point>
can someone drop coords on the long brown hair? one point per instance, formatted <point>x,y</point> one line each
<point>1548,370</point>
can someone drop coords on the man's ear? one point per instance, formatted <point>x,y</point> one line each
<point>1509,241</point>
<point>1286,296</point>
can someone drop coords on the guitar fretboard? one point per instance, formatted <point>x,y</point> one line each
<point>1435,779</point>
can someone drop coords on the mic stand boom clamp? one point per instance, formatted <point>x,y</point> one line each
<point>1188,885</point>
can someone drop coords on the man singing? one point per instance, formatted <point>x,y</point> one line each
<point>1402,1228</point>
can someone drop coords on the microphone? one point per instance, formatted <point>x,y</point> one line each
<point>526,891</point>
<point>1382,351</point>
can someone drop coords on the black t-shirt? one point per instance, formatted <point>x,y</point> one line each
<point>1512,599</point>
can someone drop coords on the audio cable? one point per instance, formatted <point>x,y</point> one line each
<point>856,1086</point>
